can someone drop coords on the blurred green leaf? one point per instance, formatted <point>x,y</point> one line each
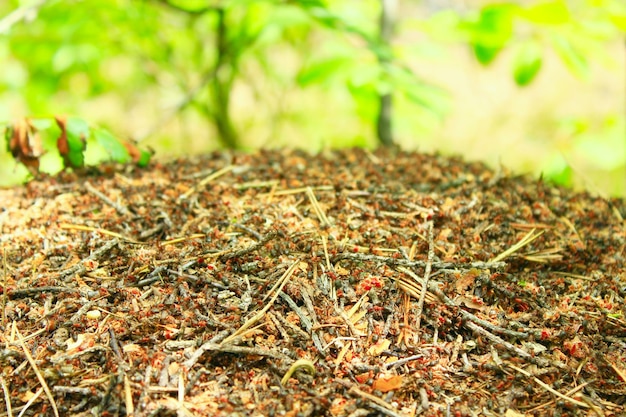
<point>144,159</point>
<point>551,12</point>
<point>619,20</point>
<point>527,63</point>
<point>77,131</point>
<point>78,127</point>
<point>491,31</point>
<point>575,61</point>
<point>41,124</point>
<point>485,54</point>
<point>116,150</point>
<point>559,172</point>
<point>322,71</point>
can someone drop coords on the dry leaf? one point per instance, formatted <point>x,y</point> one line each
<point>379,347</point>
<point>386,383</point>
<point>25,144</point>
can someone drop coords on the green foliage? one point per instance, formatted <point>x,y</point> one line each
<point>32,141</point>
<point>204,54</point>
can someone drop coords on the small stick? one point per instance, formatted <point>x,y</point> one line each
<point>402,361</point>
<point>214,341</point>
<point>29,292</point>
<point>261,242</point>
<point>80,267</point>
<point>429,263</point>
<point>306,322</point>
<point>118,207</point>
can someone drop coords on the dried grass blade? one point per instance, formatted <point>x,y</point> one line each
<point>7,396</point>
<point>99,230</point>
<point>544,256</point>
<point>32,363</point>
<point>5,278</point>
<point>30,401</point>
<point>527,239</point>
<point>316,206</point>
<point>207,180</point>
<point>128,397</point>
<point>277,288</point>
<point>549,388</point>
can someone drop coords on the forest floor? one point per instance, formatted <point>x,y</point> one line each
<point>345,284</point>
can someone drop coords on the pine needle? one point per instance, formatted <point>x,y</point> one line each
<point>277,288</point>
<point>530,236</point>
<point>32,363</point>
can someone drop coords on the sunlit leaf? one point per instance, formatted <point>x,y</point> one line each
<point>527,63</point>
<point>116,150</point>
<point>485,54</point>
<point>71,141</point>
<point>547,12</point>
<point>322,71</point>
<point>491,32</point>
<point>575,61</point>
<point>619,21</point>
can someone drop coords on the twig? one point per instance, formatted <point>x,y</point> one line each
<point>32,363</point>
<point>128,397</point>
<point>262,241</point>
<point>429,263</point>
<point>5,279</point>
<point>242,350</point>
<point>196,355</point>
<point>300,190</point>
<point>248,230</point>
<point>402,361</point>
<point>80,267</point>
<point>118,207</point>
<point>306,322</point>
<point>29,292</point>
<point>300,363</point>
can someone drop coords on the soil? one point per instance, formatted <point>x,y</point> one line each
<point>345,284</point>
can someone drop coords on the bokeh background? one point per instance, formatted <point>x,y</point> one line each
<point>537,86</point>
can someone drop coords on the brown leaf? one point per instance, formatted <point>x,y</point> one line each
<point>25,144</point>
<point>386,383</point>
<point>62,145</point>
<point>133,151</point>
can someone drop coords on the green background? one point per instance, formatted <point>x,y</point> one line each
<point>536,86</point>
